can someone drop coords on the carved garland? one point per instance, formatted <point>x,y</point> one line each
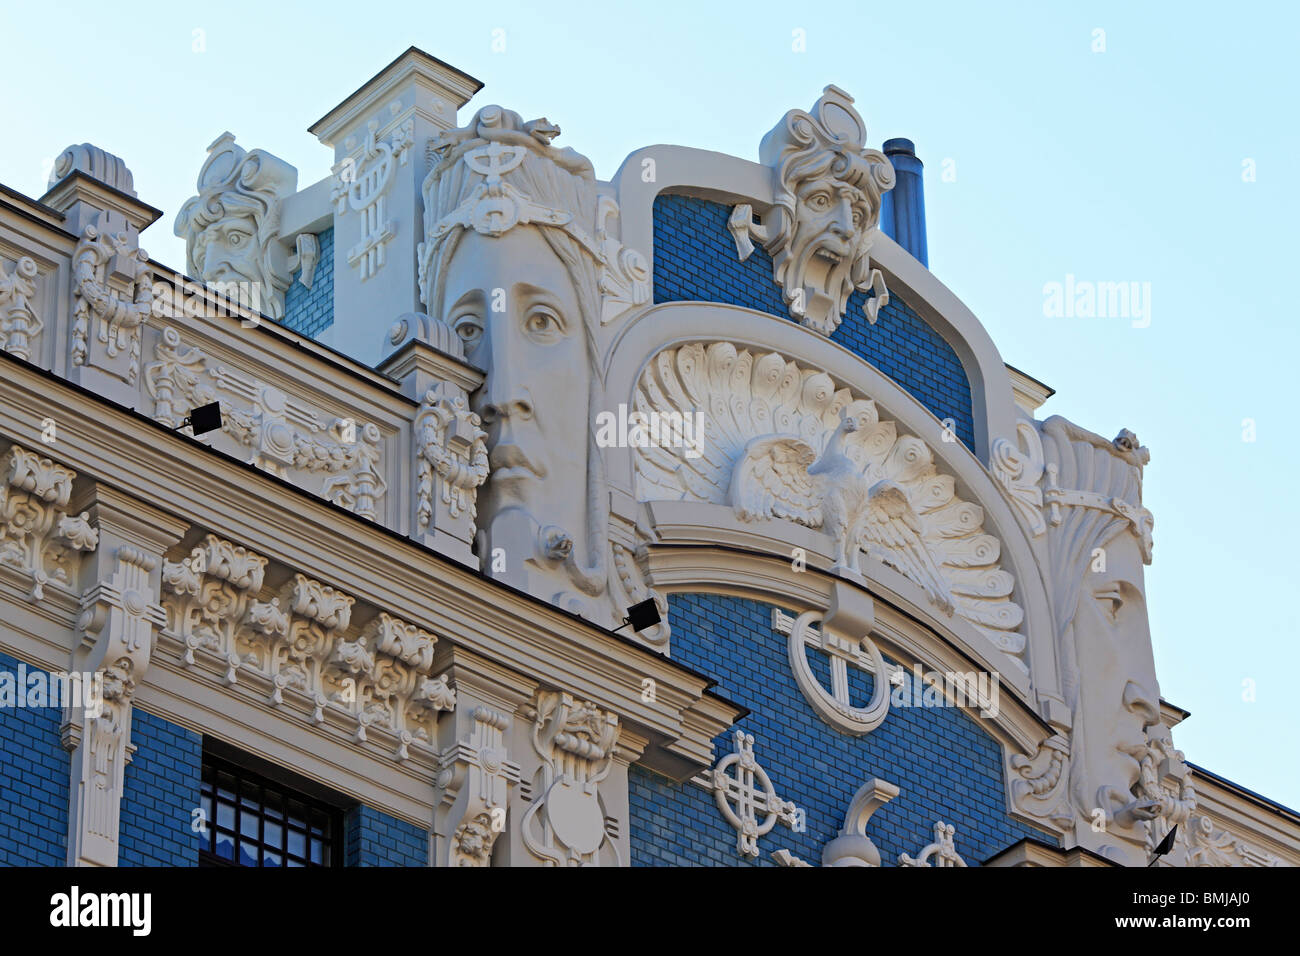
<point>113,298</point>
<point>19,324</point>
<point>281,432</point>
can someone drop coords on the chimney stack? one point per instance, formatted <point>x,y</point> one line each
<point>902,211</point>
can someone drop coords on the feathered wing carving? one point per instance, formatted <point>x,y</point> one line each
<point>771,480</point>
<point>780,441</point>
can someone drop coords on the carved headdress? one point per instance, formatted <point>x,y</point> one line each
<point>235,182</point>
<point>499,172</point>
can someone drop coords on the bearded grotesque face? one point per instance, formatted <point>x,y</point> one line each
<point>232,226</point>
<point>1099,540</point>
<point>827,188</point>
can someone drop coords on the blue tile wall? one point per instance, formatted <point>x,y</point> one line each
<point>160,791</point>
<point>34,771</point>
<point>373,838</point>
<point>947,767</point>
<point>311,311</point>
<point>695,261</point>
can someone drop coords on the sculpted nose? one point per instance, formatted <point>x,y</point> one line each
<point>503,409</point>
<point>843,224</point>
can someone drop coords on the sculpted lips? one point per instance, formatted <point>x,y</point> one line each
<point>509,461</point>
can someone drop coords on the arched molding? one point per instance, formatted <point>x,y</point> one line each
<point>729,179</point>
<point>701,551</point>
<point>669,325</point>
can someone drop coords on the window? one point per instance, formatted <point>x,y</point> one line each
<point>253,820</point>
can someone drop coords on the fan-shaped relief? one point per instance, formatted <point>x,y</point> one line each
<point>783,442</point>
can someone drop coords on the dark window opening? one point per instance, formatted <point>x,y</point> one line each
<point>253,820</point>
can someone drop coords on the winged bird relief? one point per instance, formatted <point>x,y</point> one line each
<point>776,445</point>
<point>780,476</point>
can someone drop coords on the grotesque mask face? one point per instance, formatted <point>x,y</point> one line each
<point>228,251</point>
<point>830,216</point>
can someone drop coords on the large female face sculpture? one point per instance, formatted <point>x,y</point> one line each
<point>1100,538</point>
<point>509,262</point>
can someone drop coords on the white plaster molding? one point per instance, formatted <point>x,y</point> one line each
<point>765,420</point>
<point>39,538</point>
<point>231,228</point>
<point>1208,845</point>
<point>112,300</point>
<point>942,850</point>
<point>826,190</point>
<point>474,779</point>
<point>852,847</point>
<point>565,823</point>
<point>118,619</point>
<point>451,463</point>
<point>286,437</point>
<point>746,796</point>
<point>305,257</point>
<point>19,323</point>
<point>1018,469</point>
<point>300,641</point>
<point>1039,782</point>
<point>360,185</point>
<point>857,650</point>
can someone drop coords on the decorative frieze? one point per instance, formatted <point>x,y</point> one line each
<point>746,797</point>
<point>1208,845</point>
<point>565,822</point>
<point>285,437</point>
<point>19,323</point>
<point>38,537</point>
<point>299,644</point>
<point>943,850</point>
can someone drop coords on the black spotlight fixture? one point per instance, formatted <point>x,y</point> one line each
<point>641,616</point>
<point>204,419</point>
<point>1166,844</point>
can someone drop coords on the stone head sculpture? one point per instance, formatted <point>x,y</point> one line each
<point>827,189</point>
<point>1099,538</point>
<point>518,261</point>
<point>231,227</point>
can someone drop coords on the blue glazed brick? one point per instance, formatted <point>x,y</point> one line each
<point>946,765</point>
<point>695,261</point>
<point>311,311</point>
<point>160,791</point>
<point>373,838</point>
<point>34,770</point>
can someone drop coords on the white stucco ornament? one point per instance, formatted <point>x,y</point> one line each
<point>232,226</point>
<point>943,850</point>
<point>827,188</point>
<point>746,797</point>
<point>768,423</point>
<point>859,652</point>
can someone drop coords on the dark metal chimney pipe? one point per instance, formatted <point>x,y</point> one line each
<point>902,209</point>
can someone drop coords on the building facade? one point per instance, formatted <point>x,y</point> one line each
<point>477,409</point>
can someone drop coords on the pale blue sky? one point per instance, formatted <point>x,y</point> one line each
<point>1124,165</point>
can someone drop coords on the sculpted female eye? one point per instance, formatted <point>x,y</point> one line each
<point>543,325</point>
<point>470,330</point>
